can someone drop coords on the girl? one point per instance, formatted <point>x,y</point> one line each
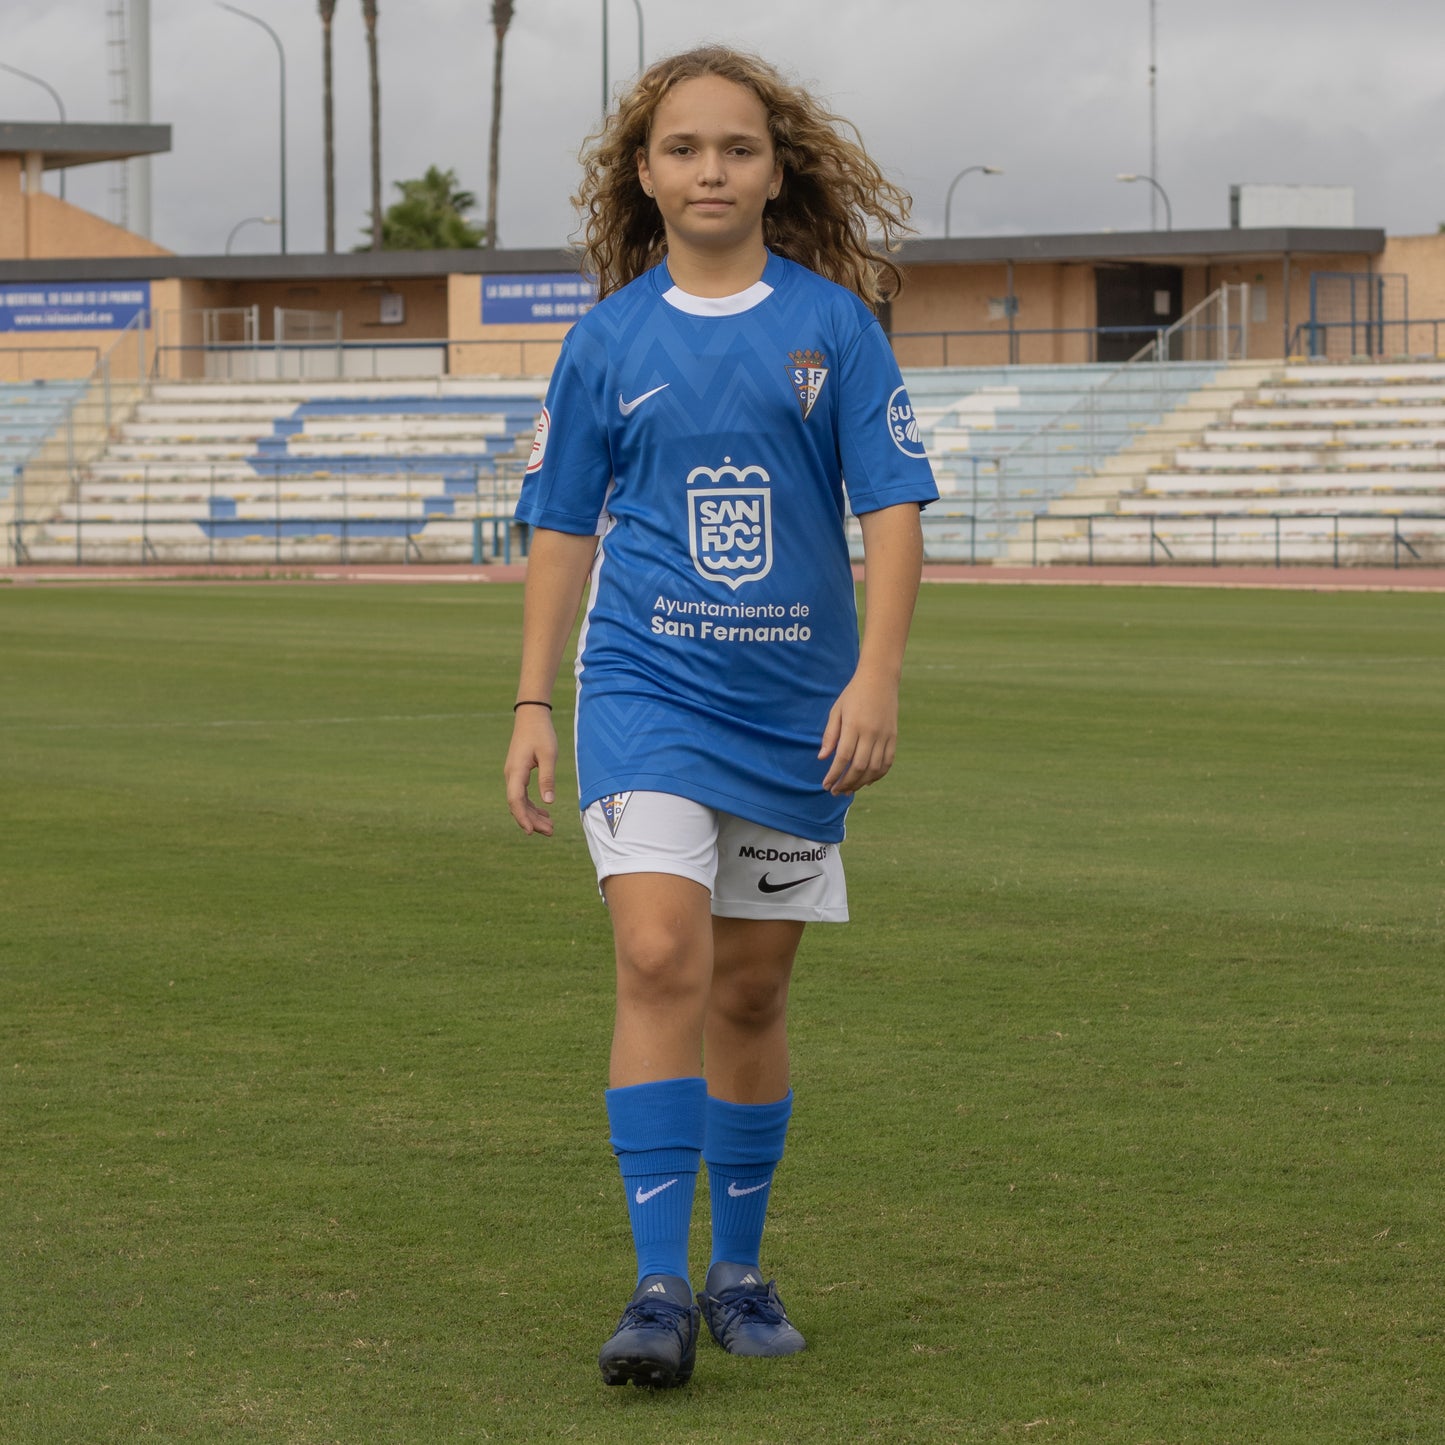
<point>701,421</point>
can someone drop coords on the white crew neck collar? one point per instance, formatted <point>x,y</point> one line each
<point>733,305</point>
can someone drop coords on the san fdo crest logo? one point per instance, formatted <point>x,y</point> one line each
<point>730,523</point>
<point>903,424</point>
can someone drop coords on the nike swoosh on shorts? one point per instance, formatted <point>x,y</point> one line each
<point>765,887</point>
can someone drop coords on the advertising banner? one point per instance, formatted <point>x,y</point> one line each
<point>72,306</point>
<point>536,299</point>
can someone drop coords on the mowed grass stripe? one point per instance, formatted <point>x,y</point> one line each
<point>1118,1104</point>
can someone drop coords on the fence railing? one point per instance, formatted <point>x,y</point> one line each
<point>1368,340</point>
<point>1279,539</point>
<point>281,514</point>
<point>352,360</point>
<point>1217,330</point>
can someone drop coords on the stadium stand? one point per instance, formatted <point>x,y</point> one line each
<point>1152,462</point>
<point>301,471</point>
<point>1012,441</point>
<point>1336,464</point>
<point>29,412</point>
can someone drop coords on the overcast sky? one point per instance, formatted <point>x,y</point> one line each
<point>1319,92</point>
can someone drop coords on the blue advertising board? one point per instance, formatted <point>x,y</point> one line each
<point>72,306</point>
<point>536,299</point>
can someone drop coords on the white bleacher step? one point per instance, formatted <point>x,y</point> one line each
<point>229,471</point>
<point>198,412</point>
<point>1377,415</point>
<point>1326,373</point>
<point>143,452</point>
<point>359,487</point>
<point>1303,436</point>
<point>1255,502</point>
<point>1339,394</point>
<point>1364,483</point>
<point>432,427</point>
<point>1315,459</point>
<point>167,433</point>
<point>302,445</point>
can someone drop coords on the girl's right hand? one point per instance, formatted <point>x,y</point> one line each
<point>534,746</point>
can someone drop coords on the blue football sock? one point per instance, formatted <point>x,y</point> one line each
<point>744,1144</point>
<point>657,1133</point>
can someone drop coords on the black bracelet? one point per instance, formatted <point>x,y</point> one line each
<point>531,702</point>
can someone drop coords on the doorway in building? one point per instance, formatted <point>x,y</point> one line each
<point>1144,299</point>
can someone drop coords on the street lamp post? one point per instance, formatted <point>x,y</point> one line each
<point>281,56</point>
<point>54,95</point>
<point>258,220</point>
<point>948,199</point>
<point>1164,195</point>
<point>606,75</point>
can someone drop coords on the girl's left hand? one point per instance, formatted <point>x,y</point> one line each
<point>862,734</point>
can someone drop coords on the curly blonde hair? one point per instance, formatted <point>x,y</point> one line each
<point>831,191</point>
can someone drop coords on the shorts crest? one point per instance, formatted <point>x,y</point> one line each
<point>612,806</point>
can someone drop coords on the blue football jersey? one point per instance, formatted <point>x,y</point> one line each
<point>707,442</point>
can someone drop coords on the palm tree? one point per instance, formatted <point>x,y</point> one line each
<point>368,11</point>
<point>501,19</point>
<point>430,216</point>
<point>328,10</point>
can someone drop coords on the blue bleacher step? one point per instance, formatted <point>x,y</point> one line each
<point>222,507</point>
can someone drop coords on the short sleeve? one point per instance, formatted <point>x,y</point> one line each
<point>568,473</point>
<point>880,445</point>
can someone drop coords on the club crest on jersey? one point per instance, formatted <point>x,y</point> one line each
<point>807,370</point>
<point>730,523</point>
<point>612,806</point>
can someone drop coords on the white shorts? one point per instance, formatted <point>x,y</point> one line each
<point>751,871</point>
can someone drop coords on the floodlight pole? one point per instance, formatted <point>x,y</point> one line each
<point>281,56</point>
<point>606,71</point>
<point>948,199</point>
<point>1164,195</point>
<point>54,95</point>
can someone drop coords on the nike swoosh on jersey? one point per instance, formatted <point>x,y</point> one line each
<point>736,1193</point>
<point>628,407</point>
<point>643,1198</point>
<point>765,887</point>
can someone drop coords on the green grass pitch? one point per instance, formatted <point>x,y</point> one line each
<point>1120,1105</point>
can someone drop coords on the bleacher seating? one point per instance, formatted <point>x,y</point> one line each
<point>1005,442</point>
<point>1334,463</point>
<point>29,412</point>
<point>1323,463</point>
<point>301,471</point>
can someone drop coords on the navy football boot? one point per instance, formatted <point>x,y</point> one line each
<point>655,1342</point>
<point>744,1315</point>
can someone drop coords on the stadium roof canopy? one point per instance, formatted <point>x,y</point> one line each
<point>61,144</point>
<point>1160,248</point>
<point>1099,248</point>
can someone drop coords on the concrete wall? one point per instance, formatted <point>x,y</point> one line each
<point>36,224</point>
<point>1422,260</point>
<point>479,350</point>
